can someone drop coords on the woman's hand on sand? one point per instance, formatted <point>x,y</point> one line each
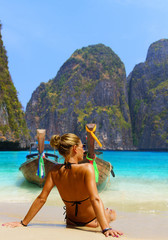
<point>113,233</point>
<point>12,224</point>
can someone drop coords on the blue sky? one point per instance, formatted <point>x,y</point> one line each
<point>40,36</point>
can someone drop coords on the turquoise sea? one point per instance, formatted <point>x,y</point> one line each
<point>141,182</point>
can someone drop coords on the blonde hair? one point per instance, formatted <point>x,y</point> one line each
<point>64,143</point>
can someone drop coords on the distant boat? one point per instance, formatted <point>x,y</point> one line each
<point>37,165</point>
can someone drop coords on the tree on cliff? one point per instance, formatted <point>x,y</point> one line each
<point>148,99</point>
<point>13,126</point>
<point>89,87</point>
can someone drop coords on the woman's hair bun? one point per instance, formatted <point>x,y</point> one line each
<point>55,141</point>
<point>64,143</point>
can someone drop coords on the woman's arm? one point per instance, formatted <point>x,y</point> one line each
<point>97,202</point>
<point>37,204</point>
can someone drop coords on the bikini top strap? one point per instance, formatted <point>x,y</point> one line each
<point>67,165</point>
<point>76,203</point>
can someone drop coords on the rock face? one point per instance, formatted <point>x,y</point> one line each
<point>14,133</point>
<point>90,87</point>
<point>148,99</point>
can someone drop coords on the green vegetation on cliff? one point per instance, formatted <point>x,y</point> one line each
<point>89,87</point>
<point>12,122</point>
<point>85,69</point>
<point>148,99</point>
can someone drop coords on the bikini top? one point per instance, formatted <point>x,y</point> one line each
<point>74,203</point>
<point>67,165</point>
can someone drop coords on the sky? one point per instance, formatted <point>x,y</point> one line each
<point>41,35</point>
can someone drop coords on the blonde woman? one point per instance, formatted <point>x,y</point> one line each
<point>77,188</point>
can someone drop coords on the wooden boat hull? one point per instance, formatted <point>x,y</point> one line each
<point>29,170</point>
<point>105,170</point>
<point>104,173</point>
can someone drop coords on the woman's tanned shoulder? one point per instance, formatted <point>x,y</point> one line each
<point>87,167</point>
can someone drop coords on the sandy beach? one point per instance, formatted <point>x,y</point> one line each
<point>49,224</point>
<point>138,193</point>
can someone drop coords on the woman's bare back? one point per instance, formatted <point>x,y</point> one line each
<point>72,188</point>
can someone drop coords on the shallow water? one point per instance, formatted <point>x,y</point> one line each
<point>140,184</point>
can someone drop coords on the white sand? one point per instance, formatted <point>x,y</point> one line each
<point>49,225</point>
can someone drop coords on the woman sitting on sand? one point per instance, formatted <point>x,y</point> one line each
<point>77,188</point>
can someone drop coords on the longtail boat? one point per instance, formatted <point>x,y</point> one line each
<point>103,169</point>
<point>37,165</point>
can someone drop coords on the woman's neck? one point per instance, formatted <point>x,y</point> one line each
<point>71,160</point>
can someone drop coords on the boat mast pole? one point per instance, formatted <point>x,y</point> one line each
<point>90,140</point>
<point>41,138</point>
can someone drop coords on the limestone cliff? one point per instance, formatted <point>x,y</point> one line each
<point>90,87</point>
<point>148,99</point>
<point>13,130</point>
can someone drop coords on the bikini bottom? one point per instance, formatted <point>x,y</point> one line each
<point>80,223</point>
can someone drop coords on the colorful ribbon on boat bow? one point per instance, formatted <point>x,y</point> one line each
<point>41,168</point>
<point>92,161</point>
<point>93,135</point>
